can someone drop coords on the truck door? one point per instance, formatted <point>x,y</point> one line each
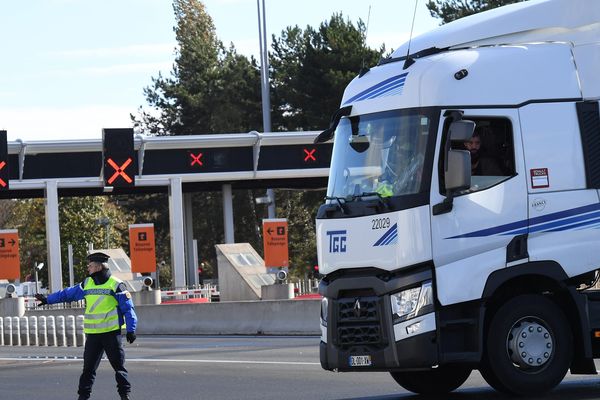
<point>470,241</point>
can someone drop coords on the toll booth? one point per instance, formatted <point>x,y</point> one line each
<point>242,272</point>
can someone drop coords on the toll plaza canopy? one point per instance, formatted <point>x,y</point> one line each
<point>202,162</point>
<point>124,163</point>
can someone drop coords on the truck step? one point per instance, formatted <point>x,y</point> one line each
<point>458,321</point>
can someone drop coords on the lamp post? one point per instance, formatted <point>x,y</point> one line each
<point>264,83</point>
<point>36,268</point>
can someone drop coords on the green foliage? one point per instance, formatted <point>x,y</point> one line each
<point>77,216</point>
<point>450,10</point>
<point>211,89</point>
<point>312,67</point>
<point>300,209</point>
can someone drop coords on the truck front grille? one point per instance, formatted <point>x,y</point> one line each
<point>358,322</point>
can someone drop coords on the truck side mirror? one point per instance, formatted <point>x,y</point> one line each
<point>461,131</point>
<point>458,174</point>
<point>457,163</point>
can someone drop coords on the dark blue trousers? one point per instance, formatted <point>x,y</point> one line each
<point>95,345</point>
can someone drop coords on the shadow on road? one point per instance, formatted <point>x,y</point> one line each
<point>572,390</point>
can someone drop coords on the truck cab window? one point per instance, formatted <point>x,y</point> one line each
<point>492,153</point>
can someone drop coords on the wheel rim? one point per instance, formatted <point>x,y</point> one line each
<point>530,344</point>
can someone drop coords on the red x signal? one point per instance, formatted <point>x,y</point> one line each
<point>310,155</point>
<point>196,159</point>
<point>119,171</point>
<point>2,165</point>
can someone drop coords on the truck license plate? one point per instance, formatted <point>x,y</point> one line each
<point>360,361</point>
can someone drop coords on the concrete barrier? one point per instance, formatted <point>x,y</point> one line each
<point>61,337</point>
<point>16,331</point>
<point>274,317</point>
<point>12,306</point>
<point>8,331</point>
<point>42,332</point>
<point>24,333</point>
<point>51,331</point>
<point>33,331</point>
<point>80,335</point>
<point>277,317</point>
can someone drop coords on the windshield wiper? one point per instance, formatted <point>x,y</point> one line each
<point>341,205</point>
<point>381,200</point>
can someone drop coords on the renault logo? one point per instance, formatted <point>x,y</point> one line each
<point>357,308</point>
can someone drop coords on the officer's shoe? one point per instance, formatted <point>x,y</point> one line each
<point>125,397</point>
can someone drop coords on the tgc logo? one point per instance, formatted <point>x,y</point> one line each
<point>337,241</point>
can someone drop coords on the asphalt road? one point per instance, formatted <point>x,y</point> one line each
<point>189,368</point>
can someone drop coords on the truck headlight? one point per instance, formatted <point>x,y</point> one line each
<point>410,303</point>
<point>324,306</point>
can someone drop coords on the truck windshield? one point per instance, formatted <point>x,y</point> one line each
<point>379,154</point>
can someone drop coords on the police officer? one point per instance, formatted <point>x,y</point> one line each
<point>108,305</point>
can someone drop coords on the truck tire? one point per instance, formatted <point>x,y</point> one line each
<point>529,347</point>
<point>441,380</point>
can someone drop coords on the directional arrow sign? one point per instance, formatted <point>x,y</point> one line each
<point>142,248</point>
<point>10,264</point>
<point>275,242</point>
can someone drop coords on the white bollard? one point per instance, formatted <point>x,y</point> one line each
<point>51,329</point>
<point>16,332</point>
<point>8,331</point>
<point>61,339</point>
<point>33,332</point>
<point>79,329</point>
<point>24,333</point>
<point>42,332</point>
<point>70,331</point>
<point>1,331</point>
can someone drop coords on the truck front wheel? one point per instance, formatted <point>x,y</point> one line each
<point>529,346</point>
<point>441,380</point>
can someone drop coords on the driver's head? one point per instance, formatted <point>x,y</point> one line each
<point>474,144</point>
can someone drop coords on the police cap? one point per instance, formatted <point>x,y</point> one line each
<point>98,257</point>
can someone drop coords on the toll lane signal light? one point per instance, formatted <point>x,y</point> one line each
<point>119,157</point>
<point>4,172</point>
<point>309,155</point>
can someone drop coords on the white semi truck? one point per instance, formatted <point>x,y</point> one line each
<point>439,259</point>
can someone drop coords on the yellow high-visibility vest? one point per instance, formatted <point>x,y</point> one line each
<point>101,314</point>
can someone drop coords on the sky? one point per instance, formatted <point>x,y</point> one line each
<point>70,68</point>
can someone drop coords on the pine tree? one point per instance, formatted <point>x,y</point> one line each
<point>450,10</point>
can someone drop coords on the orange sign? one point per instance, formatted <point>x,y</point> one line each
<point>10,263</point>
<point>275,241</point>
<point>141,248</point>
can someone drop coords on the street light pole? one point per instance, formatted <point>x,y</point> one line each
<point>264,82</point>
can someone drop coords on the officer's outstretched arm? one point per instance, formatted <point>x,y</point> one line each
<point>73,293</point>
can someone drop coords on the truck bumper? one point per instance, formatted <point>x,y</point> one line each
<point>360,325</point>
<point>417,352</point>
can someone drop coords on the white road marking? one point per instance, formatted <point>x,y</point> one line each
<point>161,360</point>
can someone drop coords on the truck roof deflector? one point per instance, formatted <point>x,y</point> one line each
<point>327,134</point>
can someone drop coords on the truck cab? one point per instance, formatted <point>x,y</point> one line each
<point>462,219</point>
